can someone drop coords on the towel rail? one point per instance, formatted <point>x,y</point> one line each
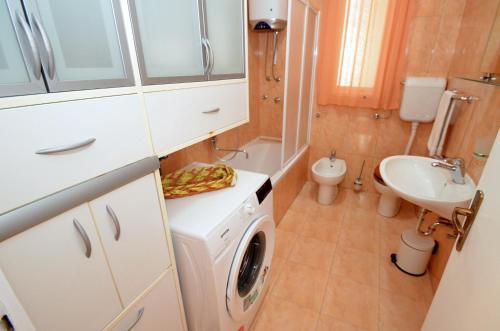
<point>466,98</point>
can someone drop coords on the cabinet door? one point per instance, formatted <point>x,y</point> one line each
<point>20,66</point>
<point>159,310</point>
<point>57,284</point>
<point>82,43</point>
<point>168,35</point>
<point>131,227</point>
<point>225,33</point>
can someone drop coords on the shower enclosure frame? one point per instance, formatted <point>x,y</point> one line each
<point>296,147</point>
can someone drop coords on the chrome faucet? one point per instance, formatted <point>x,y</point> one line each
<point>218,149</point>
<point>333,156</point>
<point>455,165</point>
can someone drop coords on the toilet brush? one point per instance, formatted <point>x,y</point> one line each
<point>358,182</point>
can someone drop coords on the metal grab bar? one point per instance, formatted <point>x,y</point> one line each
<point>65,148</point>
<point>466,98</point>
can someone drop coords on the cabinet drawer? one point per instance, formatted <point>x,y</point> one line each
<point>130,223</point>
<point>116,123</point>
<point>181,116</point>
<point>158,310</point>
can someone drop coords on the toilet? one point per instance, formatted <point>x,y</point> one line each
<point>389,203</point>
<point>328,174</point>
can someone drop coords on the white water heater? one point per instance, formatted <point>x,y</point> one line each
<point>268,14</point>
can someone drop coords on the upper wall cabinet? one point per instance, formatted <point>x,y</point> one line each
<point>189,40</point>
<point>71,45</point>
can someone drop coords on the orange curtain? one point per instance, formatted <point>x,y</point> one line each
<point>374,81</point>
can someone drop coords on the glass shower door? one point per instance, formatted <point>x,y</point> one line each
<point>20,67</point>
<point>307,78</point>
<point>82,43</point>
<point>293,85</point>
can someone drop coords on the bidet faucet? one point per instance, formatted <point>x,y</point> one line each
<point>455,165</point>
<point>333,156</point>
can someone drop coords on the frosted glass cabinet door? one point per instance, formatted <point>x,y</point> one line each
<point>20,70</point>
<point>82,43</point>
<point>169,41</point>
<point>226,35</point>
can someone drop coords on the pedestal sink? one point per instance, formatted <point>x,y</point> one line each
<point>413,178</point>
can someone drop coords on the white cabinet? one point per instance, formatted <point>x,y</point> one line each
<point>169,40</point>
<point>158,310</point>
<point>82,43</point>
<point>225,30</point>
<point>130,223</point>
<point>30,138</point>
<point>189,40</point>
<point>58,285</point>
<point>20,71</point>
<point>181,117</point>
<point>74,44</point>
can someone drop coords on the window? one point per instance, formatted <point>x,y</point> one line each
<point>362,52</point>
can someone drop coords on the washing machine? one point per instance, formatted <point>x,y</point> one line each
<point>223,243</point>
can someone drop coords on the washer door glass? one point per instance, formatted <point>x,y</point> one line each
<point>251,264</point>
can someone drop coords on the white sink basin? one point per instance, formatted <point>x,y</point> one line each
<point>414,179</point>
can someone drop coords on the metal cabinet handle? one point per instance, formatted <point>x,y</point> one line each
<point>37,61</point>
<point>206,54</point>
<point>115,220</point>
<point>51,64</point>
<point>139,316</point>
<point>212,56</point>
<point>65,148</point>
<point>211,111</point>
<point>85,237</point>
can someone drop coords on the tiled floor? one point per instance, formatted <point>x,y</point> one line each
<point>332,271</point>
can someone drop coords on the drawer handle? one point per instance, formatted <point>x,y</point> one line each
<point>115,220</point>
<point>212,111</point>
<point>139,316</point>
<point>65,148</point>
<point>85,237</point>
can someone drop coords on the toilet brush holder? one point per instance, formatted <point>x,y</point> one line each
<point>358,182</point>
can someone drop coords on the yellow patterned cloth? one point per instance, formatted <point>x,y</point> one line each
<point>183,183</point>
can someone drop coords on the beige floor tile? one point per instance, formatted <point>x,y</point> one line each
<point>356,265</point>
<point>324,230</point>
<point>313,253</point>
<point>364,200</point>
<point>293,221</point>
<point>276,268</point>
<point>302,204</point>
<point>328,323</point>
<point>389,244</point>
<point>278,314</point>
<point>399,313</point>
<point>361,239</point>
<point>360,219</point>
<point>336,210</point>
<point>302,285</point>
<point>352,302</point>
<point>397,282</point>
<point>284,243</point>
<point>309,191</point>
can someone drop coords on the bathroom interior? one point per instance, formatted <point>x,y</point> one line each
<point>249,165</point>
